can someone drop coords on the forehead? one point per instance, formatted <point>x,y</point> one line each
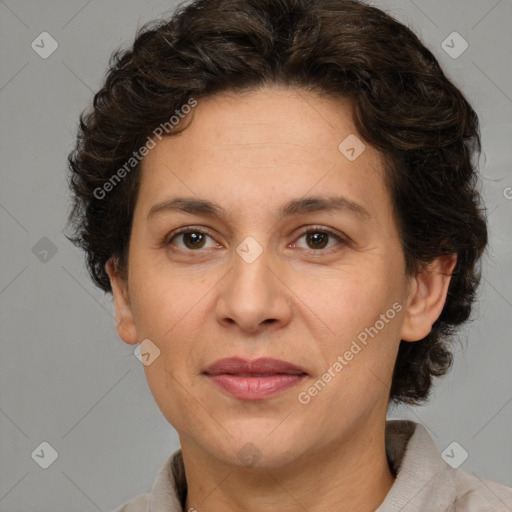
<point>276,144</point>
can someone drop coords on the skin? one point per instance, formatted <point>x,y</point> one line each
<point>250,154</point>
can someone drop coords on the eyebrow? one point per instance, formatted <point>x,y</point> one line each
<point>300,206</point>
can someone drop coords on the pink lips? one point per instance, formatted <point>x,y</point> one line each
<point>254,380</point>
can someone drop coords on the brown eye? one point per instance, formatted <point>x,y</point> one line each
<point>192,239</point>
<point>317,239</point>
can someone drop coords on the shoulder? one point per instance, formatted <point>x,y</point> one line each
<point>474,494</point>
<point>138,504</point>
<point>167,491</point>
<point>426,482</point>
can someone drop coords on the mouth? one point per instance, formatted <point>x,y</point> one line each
<point>254,380</point>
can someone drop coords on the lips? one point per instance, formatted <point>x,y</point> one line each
<point>254,380</point>
<point>245,367</point>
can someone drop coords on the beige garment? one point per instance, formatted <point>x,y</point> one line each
<point>424,481</point>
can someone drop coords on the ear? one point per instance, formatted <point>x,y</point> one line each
<point>125,324</point>
<point>427,297</point>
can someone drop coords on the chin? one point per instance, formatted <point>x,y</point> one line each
<point>256,456</point>
<point>256,444</point>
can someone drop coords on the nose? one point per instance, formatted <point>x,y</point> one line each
<point>253,296</point>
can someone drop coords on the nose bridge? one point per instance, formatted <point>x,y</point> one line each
<point>252,294</point>
<point>251,273</point>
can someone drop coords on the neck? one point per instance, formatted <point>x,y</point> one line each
<point>353,475</point>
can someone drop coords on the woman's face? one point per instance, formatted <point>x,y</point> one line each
<point>316,283</point>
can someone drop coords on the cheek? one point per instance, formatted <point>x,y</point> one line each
<point>174,395</point>
<point>356,316</point>
<point>169,309</point>
<point>162,296</point>
<point>345,301</point>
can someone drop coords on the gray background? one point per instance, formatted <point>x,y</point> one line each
<point>67,379</point>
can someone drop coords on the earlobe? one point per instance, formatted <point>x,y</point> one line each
<point>427,298</point>
<point>125,324</point>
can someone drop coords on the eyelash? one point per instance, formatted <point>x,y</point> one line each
<point>167,241</point>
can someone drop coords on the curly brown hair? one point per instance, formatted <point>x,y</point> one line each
<point>404,106</point>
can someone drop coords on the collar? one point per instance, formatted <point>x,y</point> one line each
<point>420,471</point>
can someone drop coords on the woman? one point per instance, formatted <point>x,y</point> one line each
<point>267,187</point>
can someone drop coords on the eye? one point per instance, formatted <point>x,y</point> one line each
<point>192,238</point>
<point>318,239</point>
